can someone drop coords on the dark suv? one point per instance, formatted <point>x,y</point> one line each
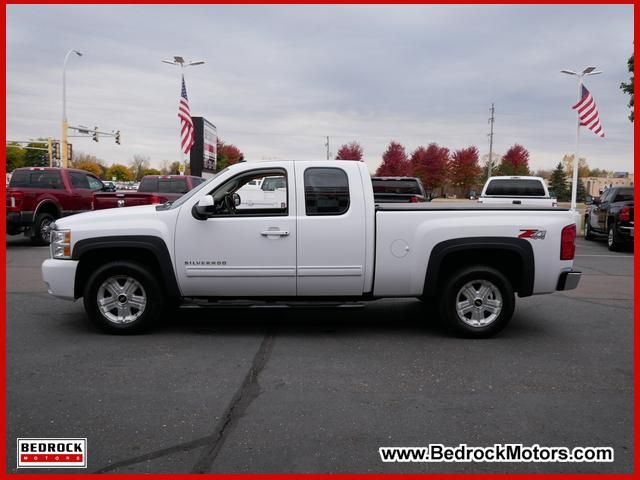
<point>611,216</point>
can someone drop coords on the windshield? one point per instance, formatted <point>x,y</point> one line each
<point>191,193</point>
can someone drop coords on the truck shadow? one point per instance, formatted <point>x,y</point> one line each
<point>392,317</point>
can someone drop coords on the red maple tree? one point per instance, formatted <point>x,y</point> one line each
<point>227,154</point>
<point>350,151</point>
<point>465,168</point>
<point>431,165</point>
<point>394,162</point>
<point>515,161</point>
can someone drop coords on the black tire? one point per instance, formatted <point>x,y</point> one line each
<point>41,229</point>
<point>588,234</point>
<point>100,286</point>
<point>613,240</point>
<point>477,276</point>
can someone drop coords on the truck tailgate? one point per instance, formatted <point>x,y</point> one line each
<point>126,199</point>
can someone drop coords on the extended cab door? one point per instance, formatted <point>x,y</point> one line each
<point>244,250</point>
<point>331,229</point>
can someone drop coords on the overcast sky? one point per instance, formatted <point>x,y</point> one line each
<point>280,78</point>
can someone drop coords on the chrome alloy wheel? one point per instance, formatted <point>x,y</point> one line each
<point>478,303</point>
<point>121,299</point>
<point>610,238</point>
<point>45,230</point>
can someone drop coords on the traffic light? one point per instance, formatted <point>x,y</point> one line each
<point>69,153</point>
<point>55,146</point>
<point>95,134</point>
<point>117,135</point>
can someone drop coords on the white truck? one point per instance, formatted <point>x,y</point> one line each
<point>517,190</point>
<point>327,242</point>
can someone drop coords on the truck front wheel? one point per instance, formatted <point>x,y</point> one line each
<point>477,301</point>
<point>41,230</point>
<point>123,297</point>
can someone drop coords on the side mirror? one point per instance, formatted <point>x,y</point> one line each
<point>203,208</point>
<point>588,200</point>
<point>236,200</point>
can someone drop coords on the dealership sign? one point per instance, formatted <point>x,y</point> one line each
<point>52,453</point>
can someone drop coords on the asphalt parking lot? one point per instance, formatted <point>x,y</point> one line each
<point>320,390</point>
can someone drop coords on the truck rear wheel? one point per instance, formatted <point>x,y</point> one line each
<point>123,298</point>
<point>41,230</point>
<point>613,242</point>
<point>477,301</point>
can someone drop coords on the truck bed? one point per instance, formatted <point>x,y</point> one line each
<point>404,207</point>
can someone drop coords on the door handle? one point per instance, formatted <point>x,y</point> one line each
<point>281,233</point>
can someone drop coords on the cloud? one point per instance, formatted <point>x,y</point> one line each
<point>278,79</point>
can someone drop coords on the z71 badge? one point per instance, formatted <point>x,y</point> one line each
<point>533,234</point>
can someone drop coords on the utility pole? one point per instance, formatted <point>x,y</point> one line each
<point>490,163</point>
<point>328,152</point>
<point>64,144</point>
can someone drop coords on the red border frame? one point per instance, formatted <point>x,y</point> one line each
<point>636,308</point>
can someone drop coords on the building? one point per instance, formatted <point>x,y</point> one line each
<point>596,185</point>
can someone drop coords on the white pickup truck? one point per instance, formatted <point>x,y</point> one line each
<point>327,242</point>
<point>517,190</point>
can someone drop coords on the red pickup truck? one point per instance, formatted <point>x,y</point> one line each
<point>37,196</point>
<point>152,189</point>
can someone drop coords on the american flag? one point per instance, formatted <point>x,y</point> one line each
<point>186,124</point>
<point>588,112</point>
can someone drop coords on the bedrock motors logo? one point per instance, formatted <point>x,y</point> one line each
<point>52,453</point>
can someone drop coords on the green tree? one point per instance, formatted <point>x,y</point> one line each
<point>596,172</point>
<point>34,157</point>
<point>152,171</point>
<point>628,87</point>
<point>15,156</point>
<point>558,184</point>
<point>122,173</point>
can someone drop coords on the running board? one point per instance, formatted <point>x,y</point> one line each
<point>197,304</point>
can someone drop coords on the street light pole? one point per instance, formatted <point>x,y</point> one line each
<point>64,161</point>
<point>576,159</point>
<point>180,62</point>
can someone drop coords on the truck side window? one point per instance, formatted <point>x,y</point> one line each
<point>326,191</point>
<point>79,180</point>
<point>94,183</point>
<point>253,199</point>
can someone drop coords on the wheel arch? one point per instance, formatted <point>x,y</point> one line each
<point>150,251</point>
<point>511,256</point>
<point>47,205</point>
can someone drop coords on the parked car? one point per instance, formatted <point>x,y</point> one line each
<point>328,241</point>
<point>611,216</point>
<point>517,190</point>
<point>152,189</point>
<point>37,196</point>
<point>109,187</point>
<point>398,190</point>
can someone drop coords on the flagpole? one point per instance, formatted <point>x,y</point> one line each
<point>574,180</point>
<point>180,62</point>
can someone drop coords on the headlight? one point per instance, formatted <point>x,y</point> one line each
<point>61,243</point>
